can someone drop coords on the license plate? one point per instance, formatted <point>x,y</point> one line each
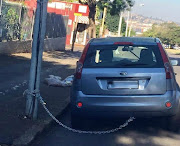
<point>123,85</point>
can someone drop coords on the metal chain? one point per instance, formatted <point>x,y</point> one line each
<point>33,94</point>
<point>81,131</point>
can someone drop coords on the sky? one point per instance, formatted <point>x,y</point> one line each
<point>168,10</point>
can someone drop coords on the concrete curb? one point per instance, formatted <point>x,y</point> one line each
<point>29,135</point>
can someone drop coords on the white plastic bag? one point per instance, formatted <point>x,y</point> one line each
<point>56,81</point>
<point>69,79</point>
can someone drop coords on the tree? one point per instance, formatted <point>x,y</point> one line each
<point>71,0</point>
<point>10,22</point>
<point>169,33</point>
<point>114,7</point>
<point>112,23</point>
<point>133,33</point>
<point>92,13</point>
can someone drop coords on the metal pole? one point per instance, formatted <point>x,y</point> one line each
<point>20,13</point>
<point>120,24</point>
<point>130,28</point>
<point>40,52</point>
<point>0,7</point>
<point>127,25</point>
<point>31,88</point>
<point>74,33</point>
<point>32,27</point>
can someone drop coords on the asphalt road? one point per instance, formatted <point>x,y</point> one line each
<point>140,132</point>
<point>14,76</point>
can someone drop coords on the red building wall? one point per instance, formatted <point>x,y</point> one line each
<point>65,9</point>
<point>68,9</point>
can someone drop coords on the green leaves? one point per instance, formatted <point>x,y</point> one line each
<point>112,23</point>
<point>114,7</point>
<point>10,22</point>
<point>12,16</point>
<point>169,33</point>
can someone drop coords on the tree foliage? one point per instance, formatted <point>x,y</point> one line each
<point>10,22</point>
<point>92,14</point>
<point>71,0</point>
<point>115,6</point>
<point>112,23</point>
<point>169,33</point>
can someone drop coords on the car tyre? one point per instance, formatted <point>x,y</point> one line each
<point>77,122</point>
<point>172,124</point>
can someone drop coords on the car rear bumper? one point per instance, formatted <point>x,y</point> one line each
<point>124,106</point>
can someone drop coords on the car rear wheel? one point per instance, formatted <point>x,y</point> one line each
<point>77,122</point>
<point>172,123</point>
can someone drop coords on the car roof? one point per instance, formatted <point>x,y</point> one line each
<point>135,40</point>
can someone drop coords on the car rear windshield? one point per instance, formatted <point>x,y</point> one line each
<point>123,56</point>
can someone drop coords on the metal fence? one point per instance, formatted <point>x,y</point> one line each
<point>15,22</point>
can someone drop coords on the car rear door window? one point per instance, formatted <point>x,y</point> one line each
<point>114,56</point>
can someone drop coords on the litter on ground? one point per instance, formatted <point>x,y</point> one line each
<point>58,82</point>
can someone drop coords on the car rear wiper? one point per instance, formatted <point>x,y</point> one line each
<point>135,54</point>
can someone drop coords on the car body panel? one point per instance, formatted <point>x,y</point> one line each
<point>121,91</point>
<point>125,105</point>
<point>97,81</point>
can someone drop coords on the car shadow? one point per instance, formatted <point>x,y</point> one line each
<point>142,131</point>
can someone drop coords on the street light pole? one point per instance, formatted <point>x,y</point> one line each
<point>130,29</point>
<point>120,24</point>
<point>127,24</point>
<point>126,33</point>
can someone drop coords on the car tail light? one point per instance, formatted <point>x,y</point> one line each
<point>79,70</point>
<point>167,65</point>
<point>80,63</point>
<point>79,104</point>
<point>168,104</point>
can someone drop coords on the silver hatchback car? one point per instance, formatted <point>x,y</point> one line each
<point>122,77</point>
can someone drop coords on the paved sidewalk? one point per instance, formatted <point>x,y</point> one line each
<point>14,75</point>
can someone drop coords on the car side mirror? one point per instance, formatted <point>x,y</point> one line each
<point>174,62</point>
